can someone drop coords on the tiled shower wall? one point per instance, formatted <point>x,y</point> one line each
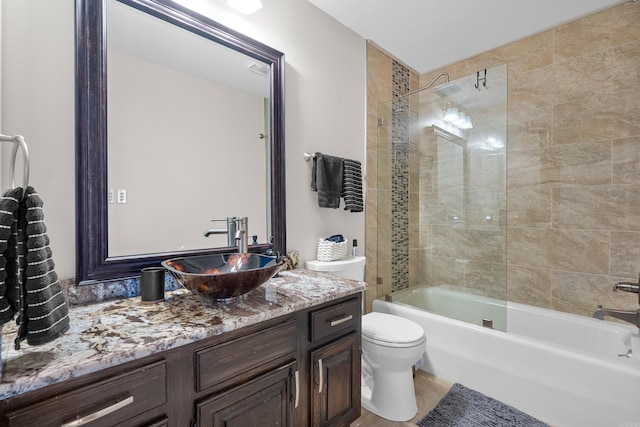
<point>386,187</point>
<point>400,152</point>
<point>573,163</point>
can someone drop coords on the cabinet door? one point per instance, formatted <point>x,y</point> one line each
<point>335,394</point>
<point>268,400</point>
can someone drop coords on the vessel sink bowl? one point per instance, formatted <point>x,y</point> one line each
<point>223,277</point>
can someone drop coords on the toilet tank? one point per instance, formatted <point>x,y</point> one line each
<point>348,268</point>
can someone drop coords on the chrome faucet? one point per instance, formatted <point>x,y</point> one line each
<point>237,232</point>
<point>242,234</point>
<point>630,316</point>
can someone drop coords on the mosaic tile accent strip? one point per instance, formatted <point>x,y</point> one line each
<point>108,291</point>
<point>400,179</point>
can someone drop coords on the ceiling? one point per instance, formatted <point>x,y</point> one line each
<point>429,34</point>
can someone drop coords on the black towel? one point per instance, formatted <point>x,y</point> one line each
<point>352,186</point>
<point>44,313</point>
<point>326,179</point>
<point>9,292</point>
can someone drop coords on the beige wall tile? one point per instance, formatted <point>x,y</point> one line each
<point>485,170</point>
<point>425,238</point>
<point>378,64</point>
<point>371,225</point>
<point>529,127</point>
<point>439,271</point>
<point>582,293</point>
<point>528,285</point>
<point>597,207</point>
<point>601,117</point>
<point>487,279</point>
<point>626,66</point>
<point>595,69</point>
<point>597,32</point>
<point>529,208</point>
<point>583,251</point>
<point>485,208</point>
<point>625,254</point>
<point>626,161</point>
<point>372,168</point>
<point>466,243</point>
<point>527,54</point>
<point>586,163</point>
<point>532,90</point>
<point>533,169</point>
<point>414,264</point>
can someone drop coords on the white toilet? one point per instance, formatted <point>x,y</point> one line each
<point>391,345</point>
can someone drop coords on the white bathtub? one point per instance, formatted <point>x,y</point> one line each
<point>560,368</point>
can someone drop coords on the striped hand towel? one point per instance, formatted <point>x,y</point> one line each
<point>352,186</point>
<point>44,313</point>
<point>9,292</point>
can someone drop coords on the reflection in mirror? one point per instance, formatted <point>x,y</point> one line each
<point>180,121</point>
<point>449,163</point>
<point>186,139</point>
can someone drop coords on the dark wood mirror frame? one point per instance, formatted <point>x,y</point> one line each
<point>93,263</point>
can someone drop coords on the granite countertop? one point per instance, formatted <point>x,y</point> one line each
<point>111,333</point>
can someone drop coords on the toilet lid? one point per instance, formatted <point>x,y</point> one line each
<point>390,328</point>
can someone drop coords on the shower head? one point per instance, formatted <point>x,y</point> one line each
<point>447,89</point>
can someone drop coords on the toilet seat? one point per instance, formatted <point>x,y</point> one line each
<point>389,330</point>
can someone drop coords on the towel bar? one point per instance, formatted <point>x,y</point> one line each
<point>308,156</point>
<point>18,142</point>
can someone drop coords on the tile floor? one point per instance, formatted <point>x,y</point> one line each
<point>429,391</point>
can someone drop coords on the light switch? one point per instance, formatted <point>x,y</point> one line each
<point>122,195</point>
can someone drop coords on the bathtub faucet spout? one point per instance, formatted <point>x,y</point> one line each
<point>628,287</point>
<point>629,316</point>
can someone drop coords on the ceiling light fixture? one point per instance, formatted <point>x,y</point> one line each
<point>451,115</point>
<point>457,118</point>
<point>260,68</point>
<point>246,7</point>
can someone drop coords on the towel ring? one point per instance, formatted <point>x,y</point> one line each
<point>18,142</point>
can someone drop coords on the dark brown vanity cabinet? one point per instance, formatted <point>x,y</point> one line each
<point>251,380</point>
<point>268,400</point>
<point>335,364</point>
<point>134,398</point>
<point>336,397</point>
<point>298,370</point>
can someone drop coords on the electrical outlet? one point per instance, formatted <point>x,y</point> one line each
<point>122,196</point>
<point>110,196</point>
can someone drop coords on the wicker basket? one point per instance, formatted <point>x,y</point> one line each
<point>331,251</point>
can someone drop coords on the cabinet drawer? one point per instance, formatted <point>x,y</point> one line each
<point>108,402</point>
<point>335,319</point>
<point>242,357</point>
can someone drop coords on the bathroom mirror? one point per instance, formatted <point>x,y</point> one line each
<point>120,137</point>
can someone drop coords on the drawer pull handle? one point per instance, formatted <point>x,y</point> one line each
<point>341,321</point>
<point>99,414</point>
<point>297,375</point>
<point>321,376</point>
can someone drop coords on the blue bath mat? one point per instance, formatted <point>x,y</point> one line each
<point>464,407</point>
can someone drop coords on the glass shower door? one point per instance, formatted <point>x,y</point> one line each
<point>442,198</point>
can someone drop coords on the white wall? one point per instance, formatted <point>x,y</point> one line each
<point>38,103</point>
<point>325,107</point>
<point>172,150</point>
